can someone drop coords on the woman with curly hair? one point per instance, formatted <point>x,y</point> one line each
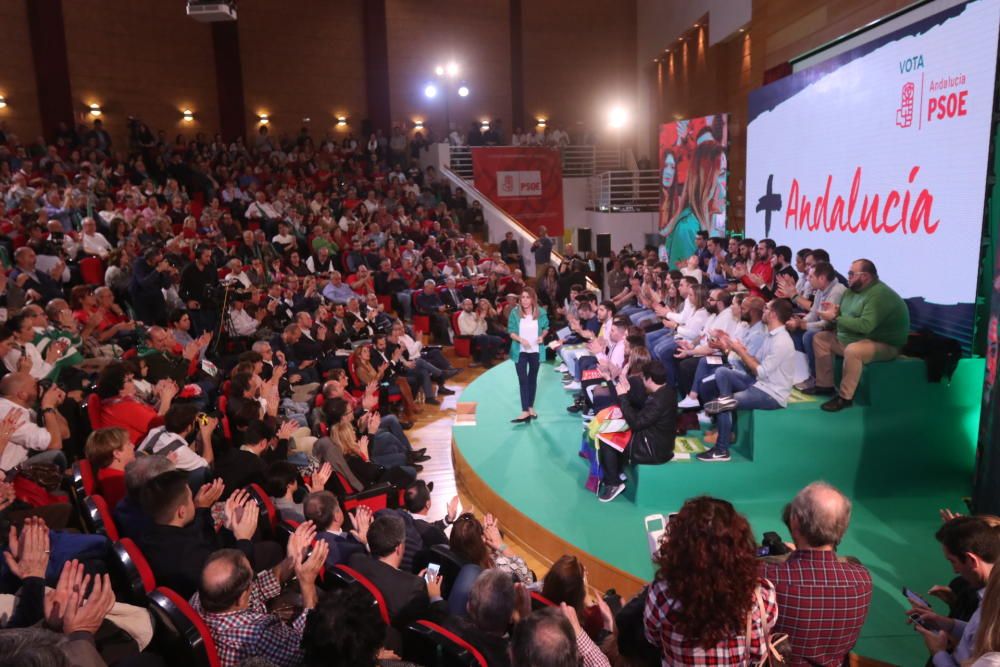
<point>708,590</point>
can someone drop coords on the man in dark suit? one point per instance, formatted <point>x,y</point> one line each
<point>183,534</point>
<point>409,597</point>
<point>45,286</point>
<point>324,511</point>
<point>243,466</point>
<point>418,504</point>
<point>452,296</point>
<point>510,251</point>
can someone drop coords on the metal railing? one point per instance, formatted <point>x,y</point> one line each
<point>577,161</point>
<point>624,191</point>
<point>499,222</point>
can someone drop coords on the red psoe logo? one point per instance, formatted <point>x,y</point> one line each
<point>904,114</point>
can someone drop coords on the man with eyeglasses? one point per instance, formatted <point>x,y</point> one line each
<point>872,323</point>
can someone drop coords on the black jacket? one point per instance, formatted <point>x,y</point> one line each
<point>405,594</point>
<point>177,555</point>
<point>653,426</point>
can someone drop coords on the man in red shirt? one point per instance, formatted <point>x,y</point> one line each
<point>823,597</point>
<point>762,272</point>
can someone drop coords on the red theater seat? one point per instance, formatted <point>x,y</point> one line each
<point>98,517</point>
<point>130,572</point>
<point>424,641</point>
<point>463,344</point>
<point>348,575</point>
<point>182,637</point>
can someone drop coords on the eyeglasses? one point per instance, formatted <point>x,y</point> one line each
<point>851,274</point>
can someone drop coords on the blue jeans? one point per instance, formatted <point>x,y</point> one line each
<point>390,424</point>
<point>486,347</point>
<point>527,378</point>
<point>628,311</point>
<point>405,303</point>
<point>654,337</point>
<point>641,315</point>
<point>699,385</point>
<point>386,450</point>
<point>740,386</point>
<point>804,343</point>
<point>663,351</point>
<point>571,356</point>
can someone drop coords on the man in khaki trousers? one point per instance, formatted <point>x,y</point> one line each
<point>872,324</point>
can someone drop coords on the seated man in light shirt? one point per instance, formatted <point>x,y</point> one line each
<point>338,291</point>
<point>484,346</point>
<point>824,288</point>
<point>765,386</point>
<point>30,442</point>
<point>723,317</point>
<point>242,323</point>
<point>171,440</point>
<point>92,241</point>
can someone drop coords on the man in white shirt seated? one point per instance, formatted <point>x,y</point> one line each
<point>722,318</point>
<point>338,291</point>
<point>241,322</point>
<point>171,440</point>
<point>92,242</point>
<point>30,442</point>
<point>238,275</point>
<point>484,346</point>
<point>765,386</point>
<point>608,353</point>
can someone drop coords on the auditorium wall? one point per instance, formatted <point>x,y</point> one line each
<point>142,59</point>
<point>697,78</point>
<point>145,58</point>
<point>17,76</point>
<point>578,60</point>
<point>474,34</point>
<point>303,59</point>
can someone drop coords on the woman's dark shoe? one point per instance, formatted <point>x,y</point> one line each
<point>444,391</point>
<point>521,420</point>
<point>406,426</point>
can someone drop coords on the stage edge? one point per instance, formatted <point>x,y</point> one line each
<point>542,544</point>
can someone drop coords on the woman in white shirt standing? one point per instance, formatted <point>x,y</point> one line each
<point>527,324</point>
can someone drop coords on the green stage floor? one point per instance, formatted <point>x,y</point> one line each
<point>899,460</point>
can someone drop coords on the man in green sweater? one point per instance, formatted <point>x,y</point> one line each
<point>872,324</point>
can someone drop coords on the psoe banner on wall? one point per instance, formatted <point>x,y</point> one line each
<point>526,182</point>
<point>881,153</point>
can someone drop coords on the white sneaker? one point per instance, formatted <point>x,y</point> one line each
<point>572,386</point>
<point>561,368</point>
<point>688,402</point>
<point>703,418</point>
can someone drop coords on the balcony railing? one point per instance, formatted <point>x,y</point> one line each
<point>577,161</point>
<point>624,191</point>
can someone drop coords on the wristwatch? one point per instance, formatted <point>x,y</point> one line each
<point>46,410</point>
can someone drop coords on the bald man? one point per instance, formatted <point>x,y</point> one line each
<point>29,442</point>
<point>823,598</point>
<point>233,602</point>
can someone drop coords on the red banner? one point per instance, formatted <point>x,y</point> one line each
<point>526,182</point>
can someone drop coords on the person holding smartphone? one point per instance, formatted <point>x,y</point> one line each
<point>527,324</point>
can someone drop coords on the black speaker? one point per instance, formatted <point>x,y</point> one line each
<point>604,245</point>
<point>583,240</point>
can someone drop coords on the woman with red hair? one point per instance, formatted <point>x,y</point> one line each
<point>698,202</point>
<point>708,590</point>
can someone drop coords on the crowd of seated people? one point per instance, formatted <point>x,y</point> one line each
<point>677,346</point>
<point>223,346</point>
